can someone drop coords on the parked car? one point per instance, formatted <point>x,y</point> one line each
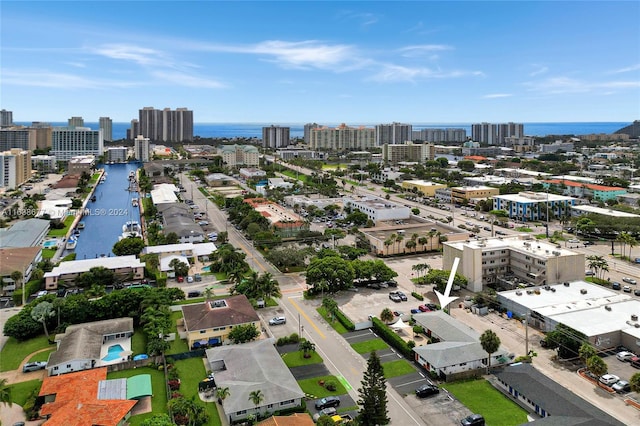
<point>397,313</point>
<point>197,277</point>
<point>616,285</point>
<point>636,292</point>
<point>326,402</point>
<point>394,296</point>
<point>203,223</point>
<point>629,280</point>
<point>194,293</point>
<point>402,296</point>
<point>473,420</point>
<point>391,283</point>
<point>415,311</point>
<point>427,390</point>
<point>277,321</point>
<point>589,273</point>
<point>190,279</point>
<point>625,356</point>
<point>34,366</point>
<point>622,386</point>
<point>180,279</point>
<point>329,411</point>
<point>375,286</point>
<point>626,289</point>
<point>609,379</point>
<point>424,308</point>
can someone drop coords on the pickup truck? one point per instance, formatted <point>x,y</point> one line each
<point>342,419</point>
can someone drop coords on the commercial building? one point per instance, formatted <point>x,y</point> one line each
<point>166,125</point>
<point>142,148</point>
<point>440,135</point>
<point>408,151</point>
<point>529,206</point>
<point>376,208</point>
<point>106,125</point>
<point>125,267</point>
<point>6,118</point>
<point>586,209</point>
<point>394,133</point>
<point>117,154</point>
<point>252,173</point>
<point>239,155</point>
<point>556,146</point>
<point>342,138</point>
<point>462,194</point>
<point>510,262</point>
<point>210,322</point>
<point>275,137</point>
<point>428,189</point>
<point>520,144</point>
<point>411,236</point>
<point>253,367</point>
<point>285,223</point>
<point>67,142</point>
<point>293,152</point>
<point>81,164</point>
<point>443,195</point>
<point>44,163</point>
<point>15,168</point>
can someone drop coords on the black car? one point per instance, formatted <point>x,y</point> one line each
<point>616,285</point>
<point>326,402</point>
<point>391,283</point>
<point>427,390</point>
<point>473,420</point>
<point>402,296</point>
<point>194,294</point>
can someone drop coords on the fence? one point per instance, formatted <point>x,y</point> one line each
<point>134,364</point>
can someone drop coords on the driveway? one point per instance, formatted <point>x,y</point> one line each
<point>309,371</point>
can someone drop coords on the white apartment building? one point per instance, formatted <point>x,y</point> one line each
<point>106,125</point>
<point>69,142</point>
<point>142,148</point>
<point>6,118</point>
<point>117,154</point>
<point>15,168</point>
<point>44,163</point>
<point>394,133</point>
<point>239,155</point>
<point>528,206</point>
<point>342,138</point>
<point>377,209</point>
<point>509,262</point>
<point>75,122</point>
<point>440,135</point>
<point>166,125</point>
<point>275,136</point>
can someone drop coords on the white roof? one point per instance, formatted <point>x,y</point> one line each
<point>518,242</point>
<point>533,197</point>
<point>604,212</point>
<point>576,178</point>
<point>164,193</point>
<point>79,266</point>
<point>164,262</point>
<point>423,182</point>
<point>56,209</point>
<point>203,249</point>
<point>165,248</point>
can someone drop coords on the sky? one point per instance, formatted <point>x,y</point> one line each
<point>322,61</point>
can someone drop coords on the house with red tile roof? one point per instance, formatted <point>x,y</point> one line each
<point>586,190</point>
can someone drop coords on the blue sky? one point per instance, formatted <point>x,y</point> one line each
<point>328,62</point>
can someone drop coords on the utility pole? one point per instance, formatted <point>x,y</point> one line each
<point>526,334</point>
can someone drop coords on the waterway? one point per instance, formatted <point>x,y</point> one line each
<point>104,217</point>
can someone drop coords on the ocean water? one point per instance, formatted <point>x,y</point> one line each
<point>254,130</point>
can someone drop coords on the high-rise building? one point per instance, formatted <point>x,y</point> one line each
<point>307,131</point>
<point>106,124</point>
<point>495,134</point>
<point>275,136</point>
<point>43,134</point>
<point>408,151</point>
<point>76,122</point>
<point>393,133</point>
<point>117,154</point>
<point>70,142</point>
<point>134,130</point>
<point>15,168</point>
<point>141,148</point>
<point>440,135</point>
<point>343,138</point>
<point>17,137</point>
<point>166,125</point>
<point>6,118</point>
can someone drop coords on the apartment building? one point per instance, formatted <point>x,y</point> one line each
<point>440,135</point>
<point>585,190</point>
<point>15,168</point>
<point>239,155</point>
<point>106,124</point>
<point>509,262</point>
<point>408,152</point>
<point>44,163</point>
<point>75,122</point>
<point>307,131</point>
<point>117,154</point>
<point>528,205</point>
<point>69,142</point>
<point>276,137</point>
<point>342,138</point>
<point>17,137</point>
<point>166,125</point>
<point>142,148</point>
<point>495,134</point>
<point>394,133</point>
<point>6,118</point>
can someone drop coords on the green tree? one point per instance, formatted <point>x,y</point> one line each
<point>307,347</point>
<point>256,397</point>
<point>634,382</point>
<point>158,420</point>
<point>330,273</point>
<point>41,313</point>
<point>128,246</point>
<point>566,339</point>
<point>586,351</point>
<point>596,365</point>
<point>180,268</point>
<point>222,393</point>
<point>490,343</point>
<point>5,392</point>
<point>325,421</point>
<point>243,333</point>
<point>171,238</point>
<point>386,315</point>
<point>373,395</point>
<point>330,305</point>
<point>17,278</point>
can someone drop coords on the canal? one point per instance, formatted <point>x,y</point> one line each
<point>105,217</point>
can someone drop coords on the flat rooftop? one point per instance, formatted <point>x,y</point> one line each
<point>520,243</point>
<point>373,202</point>
<point>423,182</point>
<point>78,266</point>
<point>534,197</point>
<point>604,212</point>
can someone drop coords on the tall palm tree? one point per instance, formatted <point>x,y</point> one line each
<point>490,342</point>
<point>17,278</point>
<point>5,392</point>
<point>423,242</point>
<point>222,393</point>
<point>307,347</point>
<point>256,397</point>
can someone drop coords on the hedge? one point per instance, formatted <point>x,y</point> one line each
<point>392,338</point>
<point>417,295</point>
<point>346,322</point>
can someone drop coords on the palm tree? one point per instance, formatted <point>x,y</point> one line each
<point>222,394</point>
<point>256,397</point>
<point>41,313</point>
<point>307,347</point>
<point>17,277</point>
<point>5,392</point>
<point>490,343</point>
<point>386,315</point>
<point>268,286</point>
<point>387,243</point>
<point>410,244</point>
<point>632,243</point>
<point>423,242</point>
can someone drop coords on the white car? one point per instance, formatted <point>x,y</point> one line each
<point>609,379</point>
<point>277,321</point>
<point>629,280</point>
<point>624,356</point>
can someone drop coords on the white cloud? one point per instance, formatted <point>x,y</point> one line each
<point>540,70</point>
<point>131,53</point>
<point>60,80</point>
<point>556,85</point>
<point>423,49</point>
<point>635,67</point>
<point>183,79</point>
<point>393,72</point>
<point>497,95</point>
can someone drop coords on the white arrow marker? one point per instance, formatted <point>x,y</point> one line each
<point>445,299</point>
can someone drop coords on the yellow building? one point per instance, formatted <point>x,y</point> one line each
<point>460,193</point>
<point>209,323</point>
<point>427,188</point>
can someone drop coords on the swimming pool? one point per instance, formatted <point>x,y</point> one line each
<point>206,269</point>
<point>49,244</point>
<point>113,353</point>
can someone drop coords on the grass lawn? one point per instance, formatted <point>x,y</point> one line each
<point>178,345</point>
<point>294,175</point>
<point>296,359</point>
<point>42,356</point>
<point>191,372</point>
<point>397,368</point>
<point>48,253</point>
<point>480,397</point>
<point>21,391</point>
<point>369,346</point>
<point>94,178</point>
<point>138,342</point>
<point>62,232</point>
<point>159,399</point>
<point>524,229</point>
<point>14,352</point>
<point>311,386</point>
<point>337,326</point>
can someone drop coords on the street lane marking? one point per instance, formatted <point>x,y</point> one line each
<point>344,381</point>
<point>304,314</point>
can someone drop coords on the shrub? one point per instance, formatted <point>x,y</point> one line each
<point>174,385</point>
<point>392,338</point>
<point>417,296</point>
<point>418,329</point>
<point>330,386</point>
<point>282,341</point>
<point>294,338</point>
<point>411,344</point>
<point>346,322</point>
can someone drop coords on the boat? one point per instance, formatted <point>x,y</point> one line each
<point>80,225</point>
<point>76,233</point>
<point>131,226</point>
<point>134,202</point>
<point>133,234</point>
<point>93,198</point>
<point>71,243</point>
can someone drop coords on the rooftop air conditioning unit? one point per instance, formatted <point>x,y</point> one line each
<point>529,291</point>
<point>634,317</point>
<point>566,283</point>
<point>637,325</point>
<point>583,291</point>
<point>518,293</point>
<point>607,307</point>
<point>555,253</point>
<point>553,290</point>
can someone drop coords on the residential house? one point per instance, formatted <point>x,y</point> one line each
<point>124,267</point>
<point>18,259</point>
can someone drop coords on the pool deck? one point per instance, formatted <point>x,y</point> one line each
<point>126,346</point>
